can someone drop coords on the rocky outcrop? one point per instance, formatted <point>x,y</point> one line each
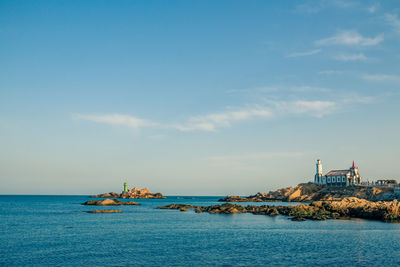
<point>388,211</point>
<point>308,192</point>
<point>132,193</point>
<point>109,202</point>
<point>346,208</point>
<point>104,211</point>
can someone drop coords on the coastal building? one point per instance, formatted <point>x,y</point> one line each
<point>347,177</point>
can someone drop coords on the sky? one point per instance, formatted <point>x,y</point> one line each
<point>195,97</point>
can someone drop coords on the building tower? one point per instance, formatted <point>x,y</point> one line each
<point>318,175</point>
<point>355,175</point>
<point>354,168</point>
<point>125,187</point>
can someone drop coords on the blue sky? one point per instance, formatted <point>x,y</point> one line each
<point>195,97</point>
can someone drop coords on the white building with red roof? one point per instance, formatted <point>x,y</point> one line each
<point>338,177</point>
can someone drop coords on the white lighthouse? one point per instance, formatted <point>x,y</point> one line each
<point>318,175</point>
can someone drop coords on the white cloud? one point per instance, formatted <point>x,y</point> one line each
<point>313,108</point>
<point>303,54</point>
<point>118,119</point>
<point>354,97</point>
<point>208,122</point>
<point>351,57</point>
<point>352,38</point>
<point>306,88</point>
<point>213,121</point>
<point>394,21</point>
<point>380,77</point>
<point>224,119</point>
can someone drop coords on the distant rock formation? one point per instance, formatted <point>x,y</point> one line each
<point>104,211</point>
<point>308,192</point>
<point>109,202</point>
<point>132,193</point>
<point>387,211</point>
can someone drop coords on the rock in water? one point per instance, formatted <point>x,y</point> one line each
<point>387,211</point>
<point>109,202</point>
<point>104,211</point>
<point>298,219</point>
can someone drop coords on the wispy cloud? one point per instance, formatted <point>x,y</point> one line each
<point>312,108</point>
<point>303,54</point>
<point>224,119</point>
<point>330,72</point>
<point>354,97</point>
<point>208,122</point>
<point>351,57</point>
<point>381,77</point>
<point>118,119</point>
<point>213,121</point>
<point>394,21</point>
<point>350,38</point>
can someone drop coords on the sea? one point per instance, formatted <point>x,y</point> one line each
<point>56,231</point>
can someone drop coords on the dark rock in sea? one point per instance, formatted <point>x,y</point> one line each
<point>298,219</point>
<point>176,207</point>
<point>197,210</point>
<point>109,202</point>
<point>254,198</point>
<point>104,211</point>
<point>387,211</point>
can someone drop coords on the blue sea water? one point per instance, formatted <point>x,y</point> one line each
<point>55,230</point>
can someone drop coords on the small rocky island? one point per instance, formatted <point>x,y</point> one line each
<point>309,192</point>
<point>349,207</point>
<point>104,211</point>
<point>109,202</point>
<point>131,193</point>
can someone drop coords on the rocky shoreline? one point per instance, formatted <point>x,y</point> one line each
<point>309,192</point>
<point>351,207</point>
<point>131,193</point>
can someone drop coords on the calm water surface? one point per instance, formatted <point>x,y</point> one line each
<point>55,230</point>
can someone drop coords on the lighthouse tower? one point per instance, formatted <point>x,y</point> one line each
<point>125,187</point>
<point>318,175</point>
